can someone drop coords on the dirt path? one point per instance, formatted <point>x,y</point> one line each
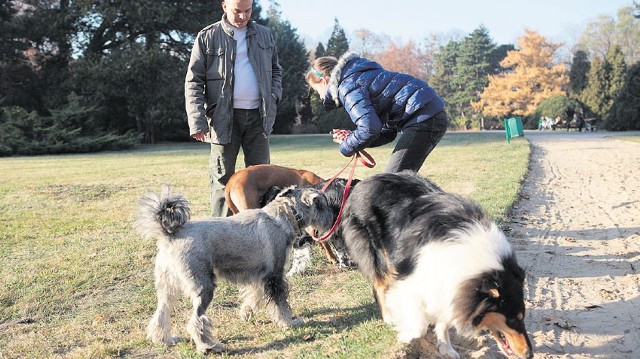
<point>577,233</point>
<point>576,230</point>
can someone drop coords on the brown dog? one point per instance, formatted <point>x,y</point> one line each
<point>247,186</point>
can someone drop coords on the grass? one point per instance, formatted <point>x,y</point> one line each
<point>77,282</point>
<point>628,138</point>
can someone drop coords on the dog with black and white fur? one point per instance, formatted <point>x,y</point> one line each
<point>435,259</point>
<point>248,249</point>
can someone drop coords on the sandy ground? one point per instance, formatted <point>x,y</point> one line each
<point>576,230</point>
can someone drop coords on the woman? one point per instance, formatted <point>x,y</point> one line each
<point>380,103</point>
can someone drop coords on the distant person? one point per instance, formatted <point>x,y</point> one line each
<point>381,104</point>
<point>577,122</point>
<point>556,122</point>
<point>232,86</point>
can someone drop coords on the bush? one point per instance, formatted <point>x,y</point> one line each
<point>27,133</point>
<point>554,106</point>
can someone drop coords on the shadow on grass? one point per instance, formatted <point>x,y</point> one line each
<point>313,329</point>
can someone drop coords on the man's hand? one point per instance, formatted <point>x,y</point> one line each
<point>339,135</point>
<point>201,136</point>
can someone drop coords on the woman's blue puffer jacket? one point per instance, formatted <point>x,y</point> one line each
<point>377,100</point>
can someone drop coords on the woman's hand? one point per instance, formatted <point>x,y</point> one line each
<point>339,135</point>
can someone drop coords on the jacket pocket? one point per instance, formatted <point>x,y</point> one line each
<point>215,64</point>
<point>210,109</point>
<point>266,49</point>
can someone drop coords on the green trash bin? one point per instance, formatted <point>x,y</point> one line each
<point>513,127</point>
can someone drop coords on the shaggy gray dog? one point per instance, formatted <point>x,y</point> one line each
<point>249,249</point>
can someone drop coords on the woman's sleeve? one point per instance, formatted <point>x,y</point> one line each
<point>368,123</point>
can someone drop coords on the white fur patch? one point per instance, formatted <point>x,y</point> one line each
<point>442,267</point>
<point>301,259</point>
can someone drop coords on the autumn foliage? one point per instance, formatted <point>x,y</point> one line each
<point>403,58</point>
<point>531,76</point>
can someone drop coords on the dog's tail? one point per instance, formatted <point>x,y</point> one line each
<point>160,216</point>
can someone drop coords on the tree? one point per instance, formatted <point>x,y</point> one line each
<point>294,62</point>
<point>531,77</point>
<point>597,85</point>
<point>625,114</point>
<point>402,58</point>
<point>366,38</point>
<point>118,45</point>
<point>19,81</point>
<point>446,59</point>
<point>578,75</point>
<point>320,51</point>
<point>497,55</point>
<point>337,44</point>
<point>369,44</point>
<point>606,80</point>
<point>470,73</point>
<point>603,33</point>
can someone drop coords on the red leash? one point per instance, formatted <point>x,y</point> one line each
<point>368,161</point>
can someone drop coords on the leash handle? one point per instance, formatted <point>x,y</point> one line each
<point>366,159</point>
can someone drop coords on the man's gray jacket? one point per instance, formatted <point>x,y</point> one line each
<point>208,86</point>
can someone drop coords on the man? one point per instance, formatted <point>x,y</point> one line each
<point>233,83</point>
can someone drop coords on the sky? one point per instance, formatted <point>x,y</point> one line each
<point>404,20</point>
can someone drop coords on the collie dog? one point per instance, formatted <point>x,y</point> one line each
<point>435,258</point>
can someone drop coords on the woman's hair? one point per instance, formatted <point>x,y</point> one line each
<point>321,67</point>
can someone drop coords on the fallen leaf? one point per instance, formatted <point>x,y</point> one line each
<point>565,324</point>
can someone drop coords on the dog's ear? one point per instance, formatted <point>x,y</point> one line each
<point>307,196</point>
<point>491,286</point>
<point>312,197</point>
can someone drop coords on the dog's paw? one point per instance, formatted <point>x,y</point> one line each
<point>295,271</point>
<point>246,313</point>
<point>406,337</point>
<point>297,321</point>
<point>171,341</point>
<point>447,349</point>
<point>293,322</point>
<point>216,348</point>
<point>210,348</point>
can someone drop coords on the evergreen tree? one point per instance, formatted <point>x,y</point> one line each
<point>471,71</point>
<point>578,75</point>
<point>497,55</point>
<point>338,43</point>
<point>616,60</point>
<point>592,95</point>
<point>445,63</point>
<point>320,51</point>
<point>606,80</point>
<point>625,114</point>
<point>295,64</point>
<point>19,82</point>
<point>323,121</point>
